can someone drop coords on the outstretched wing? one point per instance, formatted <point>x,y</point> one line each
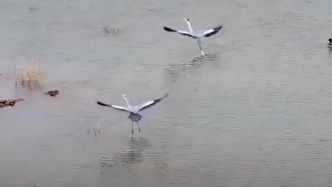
<point>185,33</point>
<point>213,31</point>
<point>113,106</point>
<point>150,103</point>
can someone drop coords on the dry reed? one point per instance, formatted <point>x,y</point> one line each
<point>29,76</point>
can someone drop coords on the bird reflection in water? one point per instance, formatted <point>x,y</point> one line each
<point>175,70</point>
<point>129,156</point>
<point>133,154</point>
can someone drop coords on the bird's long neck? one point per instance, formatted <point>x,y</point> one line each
<point>189,26</point>
<point>128,104</point>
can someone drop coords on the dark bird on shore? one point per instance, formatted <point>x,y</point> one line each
<point>52,93</point>
<point>9,102</point>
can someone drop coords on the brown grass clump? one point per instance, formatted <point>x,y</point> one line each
<point>29,76</point>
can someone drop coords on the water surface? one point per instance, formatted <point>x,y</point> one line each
<point>255,112</point>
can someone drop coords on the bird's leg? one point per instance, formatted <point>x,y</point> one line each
<point>200,47</point>
<point>132,130</point>
<point>202,53</point>
<point>139,129</point>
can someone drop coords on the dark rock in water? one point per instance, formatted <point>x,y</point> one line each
<point>111,31</point>
<point>9,102</point>
<point>52,93</point>
<point>33,8</point>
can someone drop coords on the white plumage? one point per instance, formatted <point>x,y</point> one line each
<point>196,35</point>
<point>133,110</point>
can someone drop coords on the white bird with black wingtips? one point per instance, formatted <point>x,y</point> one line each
<point>196,35</point>
<point>133,111</point>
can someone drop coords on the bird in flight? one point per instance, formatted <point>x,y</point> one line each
<point>198,35</point>
<point>133,110</point>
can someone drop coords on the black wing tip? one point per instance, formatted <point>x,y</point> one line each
<point>218,28</point>
<point>214,31</point>
<point>102,104</point>
<point>154,102</point>
<point>162,97</point>
<point>169,29</point>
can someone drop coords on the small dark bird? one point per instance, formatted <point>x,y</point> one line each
<point>106,30</point>
<point>9,102</point>
<point>330,44</point>
<point>52,93</point>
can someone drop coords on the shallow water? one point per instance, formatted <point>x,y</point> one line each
<point>255,112</point>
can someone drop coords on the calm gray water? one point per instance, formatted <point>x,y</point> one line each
<point>255,112</point>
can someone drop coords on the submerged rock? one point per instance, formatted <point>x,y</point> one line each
<point>9,102</point>
<point>52,93</point>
